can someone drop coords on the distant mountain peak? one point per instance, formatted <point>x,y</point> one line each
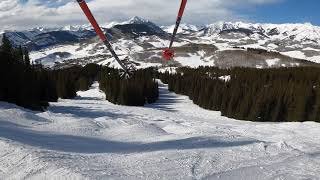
<point>138,20</point>
<point>138,26</point>
<point>279,37</point>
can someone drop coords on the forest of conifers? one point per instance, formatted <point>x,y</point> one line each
<point>139,89</point>
<point>32,86</point>
<point>284,94</point>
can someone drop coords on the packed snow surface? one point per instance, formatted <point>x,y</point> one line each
<point>90,138</point>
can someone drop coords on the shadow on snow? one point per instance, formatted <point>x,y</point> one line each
<point>166,99</point>
<point>80,112</point>
<point>78,144</point>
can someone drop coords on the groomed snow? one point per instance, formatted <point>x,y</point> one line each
<point>90,138</point>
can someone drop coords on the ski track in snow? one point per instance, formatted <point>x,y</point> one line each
<point>90,138</point>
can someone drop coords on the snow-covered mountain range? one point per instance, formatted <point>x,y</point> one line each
<point>223,44</point>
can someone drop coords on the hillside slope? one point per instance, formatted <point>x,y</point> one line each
<point>142,41</point>
<point>90,138</point>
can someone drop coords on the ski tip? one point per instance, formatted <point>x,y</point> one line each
<point>168,54</point>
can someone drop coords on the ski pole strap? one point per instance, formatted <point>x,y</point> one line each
<point>180,14</point>
<point>92,20</point>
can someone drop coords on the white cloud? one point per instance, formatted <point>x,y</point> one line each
<point>15,15</point>
<point>6,5</point>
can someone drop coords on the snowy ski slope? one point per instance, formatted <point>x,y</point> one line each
<point>90,138</point>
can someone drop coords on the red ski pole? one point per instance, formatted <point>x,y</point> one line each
<point>100,33</point>
<point>168,53</point>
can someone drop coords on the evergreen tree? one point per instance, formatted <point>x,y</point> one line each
<point>285,94</point>
<point>138,90</point>
<point>6,44</point>
<point>26,58</point>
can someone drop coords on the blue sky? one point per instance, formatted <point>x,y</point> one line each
<point>23,14</point>
<point>49,3</point>
<point>288,11</point>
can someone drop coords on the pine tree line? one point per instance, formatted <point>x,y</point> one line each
<point>31,86</point>
<point>285,94</point>
<point>70,80</point>
<point>22,83</point>
<point>139,89</point>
